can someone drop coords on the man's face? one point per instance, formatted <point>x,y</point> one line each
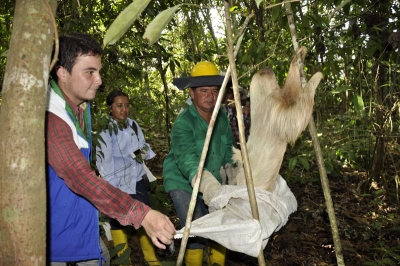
<point>204,98</point>
<point>82,84</point>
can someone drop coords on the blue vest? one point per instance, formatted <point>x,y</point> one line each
<point>73,224</point>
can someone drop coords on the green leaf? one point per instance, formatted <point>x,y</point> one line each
<point>139,158</point>
<point>123,259</point>
<point>115,127</point>
<point>258,2</point>
<point>100,138</point>
<point>154,29</point>
<point>292,163</point>
<point>305,163</point>
<point>101,154</point>
<point>275,13</point>
<point>233,8</point>
<point>161,196</point>
<point>113,251</point>
<point>160,189</point>
<point>328,166</point>
<point>341,89</point>
<point>124,21</point>
<point>4,54</point>
<point>358,104</point>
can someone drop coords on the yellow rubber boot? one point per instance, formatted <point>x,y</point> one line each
<point>147,248</point>
<point>216,254</point>
<point>194,257</point>
<point>120,237</point>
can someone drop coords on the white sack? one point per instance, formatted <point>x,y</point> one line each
<point>230,222</point>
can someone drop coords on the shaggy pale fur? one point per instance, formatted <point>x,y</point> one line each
<point>278,116</point>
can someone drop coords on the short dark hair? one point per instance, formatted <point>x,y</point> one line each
<point>71,46</point>
<point>115,93</point>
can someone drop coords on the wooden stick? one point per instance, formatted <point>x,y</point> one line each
<point>239,115</point>
<point>317,147</point>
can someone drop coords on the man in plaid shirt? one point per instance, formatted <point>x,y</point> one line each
<point>75,191</point>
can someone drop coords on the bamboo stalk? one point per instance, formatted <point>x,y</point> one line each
<point>239,115</point>
<point>317,147</point>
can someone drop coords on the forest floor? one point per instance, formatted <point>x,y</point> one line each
<point>368,224</point>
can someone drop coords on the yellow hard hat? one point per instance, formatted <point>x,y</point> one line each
<point>204,68</point>
<point>203,74</point>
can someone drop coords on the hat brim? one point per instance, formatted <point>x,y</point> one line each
<point>201,81</point>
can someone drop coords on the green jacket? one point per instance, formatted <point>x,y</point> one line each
<point>187,141</point>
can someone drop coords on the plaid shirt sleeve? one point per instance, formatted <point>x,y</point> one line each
<point>70,164</point>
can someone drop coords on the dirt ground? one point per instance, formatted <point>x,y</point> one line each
<point>368,225</point>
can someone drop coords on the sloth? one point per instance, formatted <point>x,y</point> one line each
<point>278,116</point>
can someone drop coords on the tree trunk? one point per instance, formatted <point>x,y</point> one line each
<point>22,149</point>
<point>382,94</point>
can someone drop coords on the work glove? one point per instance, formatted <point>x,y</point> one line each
<point>208,186</point>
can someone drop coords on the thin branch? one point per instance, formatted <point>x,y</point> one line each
<point>242,138</point>
<point>244,26</point>
<point>263,61</point>
<point>342,4</point>
<point>53,23</point>
<point>317,147</point>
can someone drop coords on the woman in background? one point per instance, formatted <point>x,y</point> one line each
<point>120,161</point>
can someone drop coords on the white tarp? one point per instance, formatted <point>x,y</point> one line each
<point>230,221</point>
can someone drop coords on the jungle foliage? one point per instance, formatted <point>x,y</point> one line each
<point>355,44</point>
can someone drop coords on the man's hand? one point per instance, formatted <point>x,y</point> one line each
<point>208,186</point>
<point>159,228</point>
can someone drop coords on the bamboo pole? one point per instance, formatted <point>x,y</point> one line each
<point>239,115</point>
<point>317,147</point>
